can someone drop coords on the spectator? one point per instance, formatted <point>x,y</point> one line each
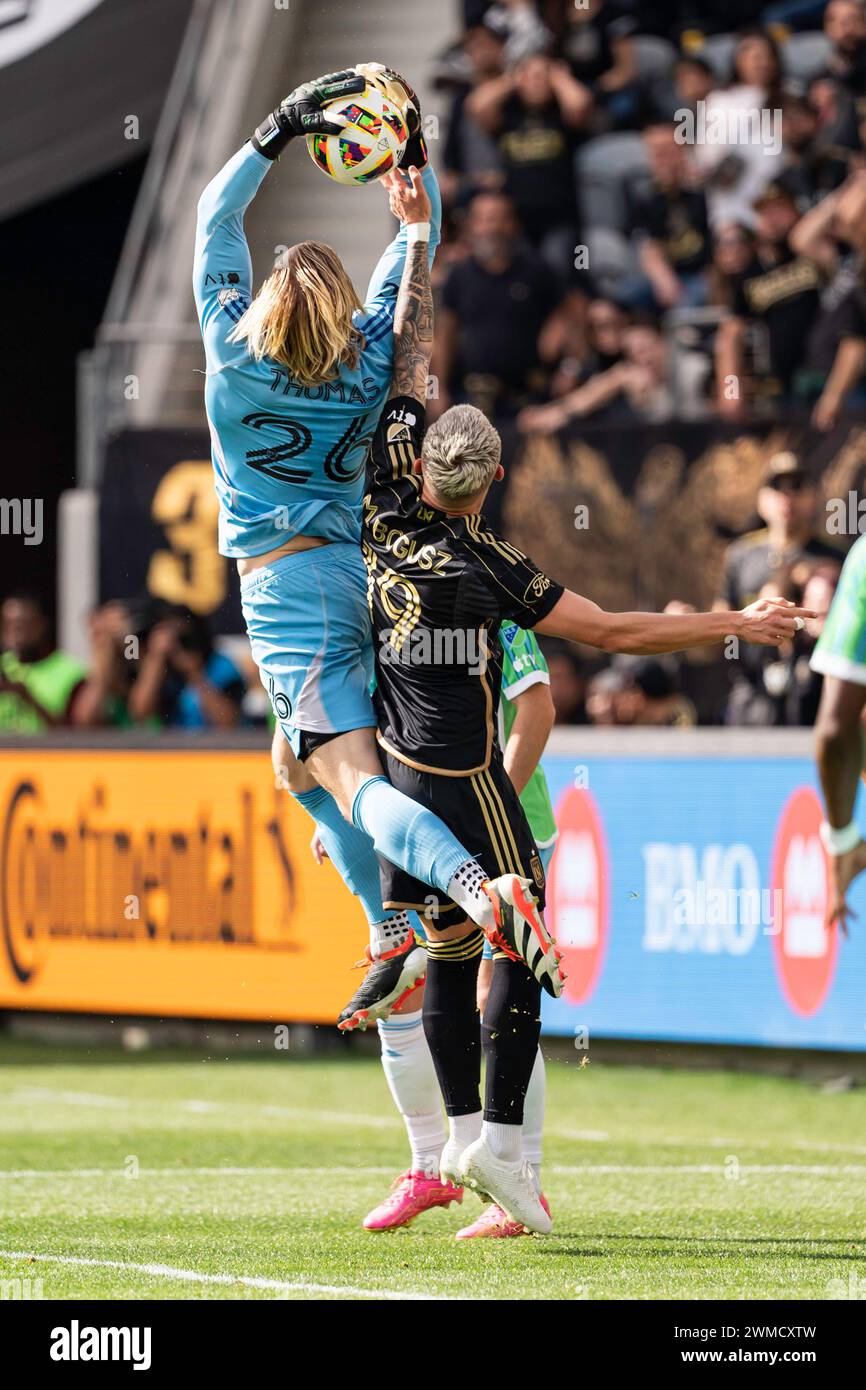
<point>470,154</point>
<point>568,682</point>
<point>845,28</point>
<point>779,294</point>
<point>733,253</point>
<point>637,388</point>
<point>102,699</point>
<point>495,304</point>
<point>182,680</point>
<point>780,556</point>
<point>735,169</point>
<point>683,90</point>
<point>39,683</point>
<point>533,112</point>
<point>583,338</point>
<point>836,355</point>
<point>594,38</point>
<point>651,696</point>
<point>670,221</point>
<point>605,698</point>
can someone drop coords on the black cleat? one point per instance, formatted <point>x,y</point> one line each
<point>388,981</point>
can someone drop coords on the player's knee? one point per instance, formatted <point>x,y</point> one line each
<point>454,931</point>
<point>289,774</point>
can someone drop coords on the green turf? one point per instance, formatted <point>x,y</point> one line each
<point>774,1210</point>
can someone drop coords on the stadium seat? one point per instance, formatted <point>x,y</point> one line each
<point>718,51</point>
<point>603,167</point>
<point>805,55</point>
<point>654,57</point>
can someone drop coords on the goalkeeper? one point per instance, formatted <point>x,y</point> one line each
<point>296,379</point>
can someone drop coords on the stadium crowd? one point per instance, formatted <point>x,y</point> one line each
<point>606,259</point>
<point>654,210</point>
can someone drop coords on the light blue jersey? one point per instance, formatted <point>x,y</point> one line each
<point>288,459</point>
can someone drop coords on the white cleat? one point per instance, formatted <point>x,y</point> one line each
<point>510,1184</point>
<point>449,1163</point>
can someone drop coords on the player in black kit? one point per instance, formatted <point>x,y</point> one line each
<point>439,584</point>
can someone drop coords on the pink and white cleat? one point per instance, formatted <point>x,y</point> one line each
<point>411,1194</point>
<point>496,1224</point>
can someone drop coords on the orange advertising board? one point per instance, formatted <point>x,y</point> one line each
<point>168,883</point>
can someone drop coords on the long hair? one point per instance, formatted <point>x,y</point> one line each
<point>302,316</point>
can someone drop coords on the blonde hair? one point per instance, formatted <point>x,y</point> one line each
<point>460,454</point>
<point>302,316</point>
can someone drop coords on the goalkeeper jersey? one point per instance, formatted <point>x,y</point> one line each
<point>288,459</point>
<point>523,665</point>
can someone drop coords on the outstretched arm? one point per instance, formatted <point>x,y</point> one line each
<point>413,315</point>
<point>766,622</point>
<point>222,269</point>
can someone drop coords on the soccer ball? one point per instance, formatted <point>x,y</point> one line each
<point>370,144</point>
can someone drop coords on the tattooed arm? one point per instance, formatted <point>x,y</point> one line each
<point>413,317</point>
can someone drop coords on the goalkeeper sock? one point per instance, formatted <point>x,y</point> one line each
<point>350,850</point>
<point>415,839</point>
<point>412,1082</point>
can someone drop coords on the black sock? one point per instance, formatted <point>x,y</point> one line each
<point>510,1031</point>
<point>451,1020</point>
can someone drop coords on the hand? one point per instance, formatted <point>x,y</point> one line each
<point>395,87</point>
<point>407,197</point>
<point>319,853</point>
<point>769,621</point>
<point>542,419</point>
<point>162,640</point>
<point>844,868</point>
<point>300,113</point>
<point>825,413</point>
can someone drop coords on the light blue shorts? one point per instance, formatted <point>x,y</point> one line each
<point>309,629</point>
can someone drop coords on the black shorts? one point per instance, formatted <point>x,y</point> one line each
<point>484,812</point>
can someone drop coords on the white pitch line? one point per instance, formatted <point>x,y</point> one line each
<point>193,1276</point>
<point>318,1170</point>
<point>198,1106</point>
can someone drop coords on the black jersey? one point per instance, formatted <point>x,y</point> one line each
<point>438,587</point>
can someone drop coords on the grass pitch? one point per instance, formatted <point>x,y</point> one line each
<point>190,1176</point>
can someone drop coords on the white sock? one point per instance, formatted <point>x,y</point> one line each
<point>533,1118</point>
<point>467,891</point>
<point>384,936</point>
<point>412,1082</point>
<point>465,1129</point>
<point>505,1141</point>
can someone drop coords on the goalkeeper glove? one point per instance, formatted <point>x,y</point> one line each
<point>301,113</point>
<point>395,86</point>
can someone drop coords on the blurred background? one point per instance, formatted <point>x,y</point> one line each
<point>652,279</point>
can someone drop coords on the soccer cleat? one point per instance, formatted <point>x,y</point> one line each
<point>520,932</point>
<point>389,980</point>
<point>411,1194</point>
<point>449,1163</point>
<point>494,1223</point>
<point>510,1185</point>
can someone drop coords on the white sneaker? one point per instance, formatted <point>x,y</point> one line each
<point>449,1162</point>
<point>510,1184</point>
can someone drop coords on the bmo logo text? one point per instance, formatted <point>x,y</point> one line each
<point>804,949</point>
<point>577,893</point>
